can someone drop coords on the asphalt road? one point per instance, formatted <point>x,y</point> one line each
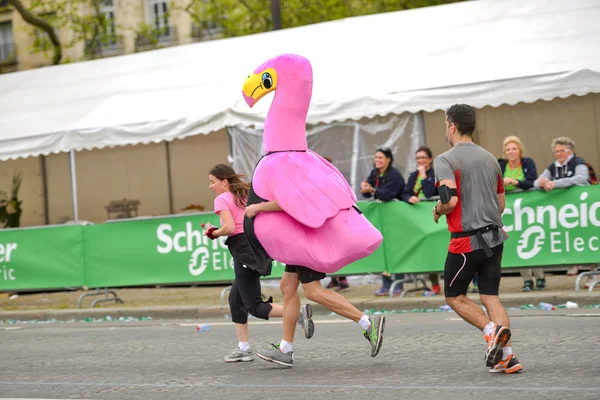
<point>423,356</point>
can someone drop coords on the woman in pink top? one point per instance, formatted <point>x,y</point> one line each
<point>245,295</point>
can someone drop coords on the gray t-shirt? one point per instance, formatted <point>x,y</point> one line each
<point>478,182</point>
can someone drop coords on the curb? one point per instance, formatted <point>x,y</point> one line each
<point>199,312</point>
<point>175,312</point>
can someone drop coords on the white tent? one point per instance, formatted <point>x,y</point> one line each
<point>487,52</point>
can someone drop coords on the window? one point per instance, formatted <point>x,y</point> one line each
<point>108,9</point>
<point>159,14</point>
<point>7,44</point>
<point>109,44</point>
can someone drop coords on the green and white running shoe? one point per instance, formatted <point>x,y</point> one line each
<point>375,333</point>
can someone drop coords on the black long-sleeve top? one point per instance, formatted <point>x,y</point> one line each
<point>388,187</point>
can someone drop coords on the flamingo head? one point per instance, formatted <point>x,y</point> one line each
<point>285,71</point>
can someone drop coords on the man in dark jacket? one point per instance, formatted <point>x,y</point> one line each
<point>567,170</point>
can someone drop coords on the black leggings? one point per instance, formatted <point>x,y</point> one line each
<point>246,297</point>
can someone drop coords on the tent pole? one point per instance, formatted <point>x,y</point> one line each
<point>73,185</point>
<point>355,156</point>
<point>44,174</point>
<point>169,178</point>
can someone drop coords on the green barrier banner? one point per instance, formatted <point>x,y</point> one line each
<point>174,250</point>
<point>41,258</point>
<point>559,227</point>
<point>157,251</point>
<point>413,242</point>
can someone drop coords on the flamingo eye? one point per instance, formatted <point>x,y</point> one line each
<point>267,80</point>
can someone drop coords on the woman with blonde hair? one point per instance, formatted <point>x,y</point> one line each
<point>519,173</point>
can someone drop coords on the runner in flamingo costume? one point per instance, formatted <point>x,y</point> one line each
<point>301,211</point>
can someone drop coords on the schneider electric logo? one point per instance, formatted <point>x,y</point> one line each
<point>549,227</point>
<point>531,242</point>
<point>6,254</point>
<point>204,253</point>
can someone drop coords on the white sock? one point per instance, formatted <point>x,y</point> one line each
<point>364,322</point>
<point>244,346</point>
<point>285,347</point>
<point>489,328</point>
<point>507,351</point>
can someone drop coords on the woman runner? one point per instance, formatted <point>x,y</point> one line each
<point>245,295</point>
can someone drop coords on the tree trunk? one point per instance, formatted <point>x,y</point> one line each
<point>42,24</point>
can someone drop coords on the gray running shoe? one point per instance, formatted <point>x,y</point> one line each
<point>305,320</point>
<point>238,355</point>
<point>375,333</point>
<point>274,355</point>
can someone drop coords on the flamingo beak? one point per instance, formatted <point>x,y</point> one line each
<point>256,86</point>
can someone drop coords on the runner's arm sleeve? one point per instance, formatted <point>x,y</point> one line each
<point>443,170</point>
<point>220,204</point>
<point>500,184</point>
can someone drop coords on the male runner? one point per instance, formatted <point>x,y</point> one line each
<point>472,197</point>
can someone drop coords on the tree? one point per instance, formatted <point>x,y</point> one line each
<point>243,17</point>
<point>84,18</point>
<point>10,207</point>
<point>30,18</point>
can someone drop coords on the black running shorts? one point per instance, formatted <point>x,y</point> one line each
<point>461,268</point>
<point>306,275</point>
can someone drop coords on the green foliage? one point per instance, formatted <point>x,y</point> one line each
<point>243,17</point>
<point>10,207</point>
<point>149,36</point>
<point>41,41</point>
<point>84,20</point>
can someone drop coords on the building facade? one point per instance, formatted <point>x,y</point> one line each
<point>131,26</point>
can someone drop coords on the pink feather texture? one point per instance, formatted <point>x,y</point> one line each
<point>318,227</point>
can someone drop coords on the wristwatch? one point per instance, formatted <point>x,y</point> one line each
<point>436,211</point>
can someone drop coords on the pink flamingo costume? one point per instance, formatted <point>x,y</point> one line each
<point>320,226</point>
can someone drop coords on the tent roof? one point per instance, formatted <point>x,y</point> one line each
<point>485,53</point>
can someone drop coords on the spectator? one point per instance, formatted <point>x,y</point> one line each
<point>567,170</point>
<point>528,275</point>
<point>384,183</point>
<point>421,185</point>
<point>519,172</point>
